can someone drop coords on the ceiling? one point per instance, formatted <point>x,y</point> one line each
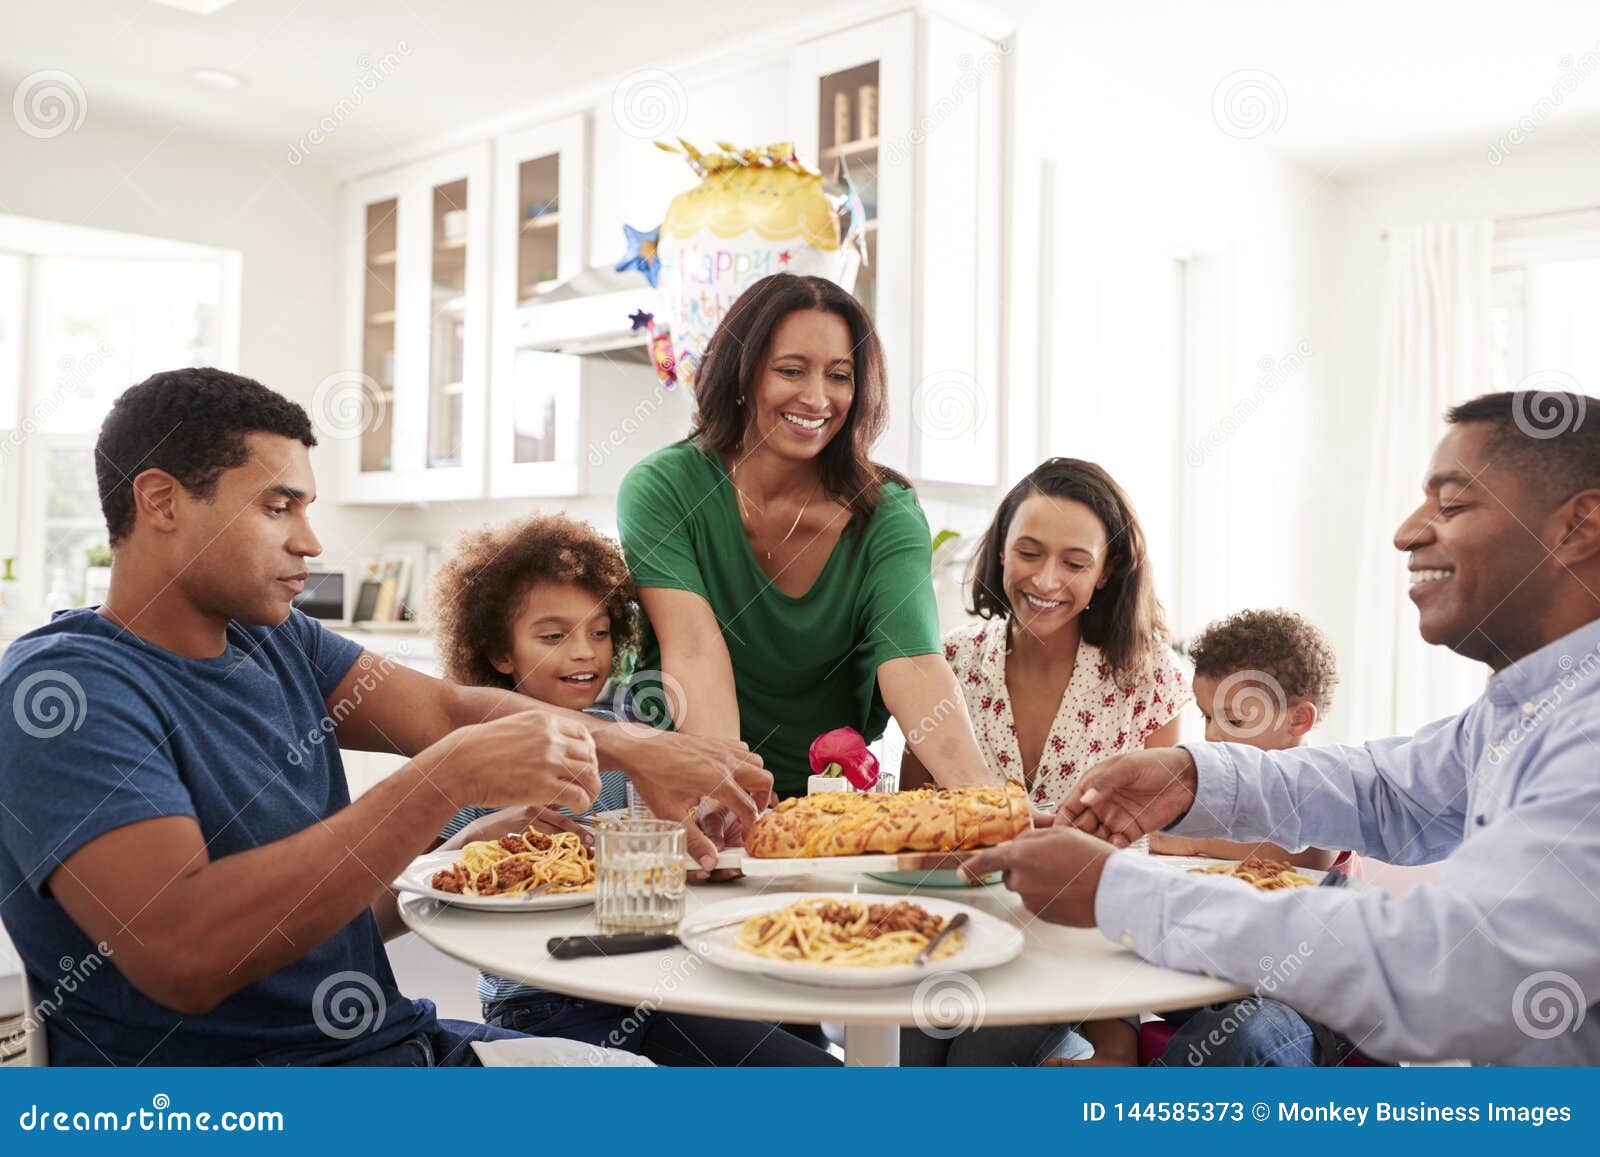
<point>1361,81</point>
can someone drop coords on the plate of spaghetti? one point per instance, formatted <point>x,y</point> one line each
<point>849,940</point>
<point>527,871</point>
<point>1267,875</point>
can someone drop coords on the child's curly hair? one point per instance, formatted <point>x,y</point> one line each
<point>479,591</point>
<point>1277,642</point>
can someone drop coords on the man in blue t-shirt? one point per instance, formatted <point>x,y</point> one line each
<point>172,801</point>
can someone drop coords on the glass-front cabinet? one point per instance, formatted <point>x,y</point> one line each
<point>410,402</point>
<point>375,400</point>
<point>540,238</point>
<point>909,107</point>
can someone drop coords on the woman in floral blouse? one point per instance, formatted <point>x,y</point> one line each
<point>1070,664</point>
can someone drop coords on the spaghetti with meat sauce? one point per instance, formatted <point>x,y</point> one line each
<point>1267,875</point>
<point>519,862</point>
<point>841,933</point>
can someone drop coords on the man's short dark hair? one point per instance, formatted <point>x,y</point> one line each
<point>192,424</point>
<point>1548,438</point>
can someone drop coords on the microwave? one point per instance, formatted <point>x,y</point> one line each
<point>323,597</point>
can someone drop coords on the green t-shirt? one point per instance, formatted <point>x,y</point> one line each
<point>801,666</point>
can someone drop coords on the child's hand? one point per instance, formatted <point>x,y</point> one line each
<point>515,819</point>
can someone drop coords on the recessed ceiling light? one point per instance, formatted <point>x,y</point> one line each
<point>198,7</point>
<point>217,78</point>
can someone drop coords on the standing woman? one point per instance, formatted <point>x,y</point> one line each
<point>785,575</point>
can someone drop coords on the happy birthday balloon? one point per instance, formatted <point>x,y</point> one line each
<point>755,212</point>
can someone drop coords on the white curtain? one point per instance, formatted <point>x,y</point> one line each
<point>1434,353</point>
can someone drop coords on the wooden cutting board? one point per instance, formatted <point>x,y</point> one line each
<point>853,865</point>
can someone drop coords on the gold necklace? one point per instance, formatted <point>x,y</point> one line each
<point>796,525</point>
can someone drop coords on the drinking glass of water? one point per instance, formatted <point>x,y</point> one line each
<point>639,874</point>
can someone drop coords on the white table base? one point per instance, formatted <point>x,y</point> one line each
<point>872,1045</point>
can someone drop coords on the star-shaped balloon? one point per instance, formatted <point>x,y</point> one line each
<point>641,254</point>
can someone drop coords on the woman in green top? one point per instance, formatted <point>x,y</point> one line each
<point>785,575</point>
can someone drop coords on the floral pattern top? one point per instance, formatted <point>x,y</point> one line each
<point>1098,716</point>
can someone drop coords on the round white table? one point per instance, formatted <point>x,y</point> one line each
<point>1063,974</point>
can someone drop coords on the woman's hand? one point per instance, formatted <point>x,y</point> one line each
<point>515,819</point>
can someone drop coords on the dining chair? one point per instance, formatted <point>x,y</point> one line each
<point>36,1054</point>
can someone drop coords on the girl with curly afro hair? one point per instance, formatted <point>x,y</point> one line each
<point>541,605</point>
<point>546,606</point>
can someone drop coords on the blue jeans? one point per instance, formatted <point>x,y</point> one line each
<point>667,1038</point>
<point>1249,1032</point>
<point>446,1045</point>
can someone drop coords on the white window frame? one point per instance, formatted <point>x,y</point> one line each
<point>24,465</point>
<point>1522,244</point>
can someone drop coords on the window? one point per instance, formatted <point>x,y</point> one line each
<point>1544,298</point>
<point>77,331</point>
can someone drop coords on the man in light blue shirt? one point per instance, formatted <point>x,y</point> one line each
<point>1498,960</point>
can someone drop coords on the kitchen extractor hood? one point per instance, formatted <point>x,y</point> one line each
<point>588,313</point>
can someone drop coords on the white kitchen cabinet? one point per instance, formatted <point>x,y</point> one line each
<point>912,104</point>
<point>411,404</point>
<point>541,237</point>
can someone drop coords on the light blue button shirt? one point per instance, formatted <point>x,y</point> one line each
<point>1497,960</point>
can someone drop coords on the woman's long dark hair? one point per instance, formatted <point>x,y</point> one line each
<point>1124,618</point>
<point>732,365</point>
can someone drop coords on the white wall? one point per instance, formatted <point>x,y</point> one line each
<point>136,178</point>
<point>1537,177</point>
<point>1130,185</point>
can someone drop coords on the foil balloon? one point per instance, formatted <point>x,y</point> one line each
<point>641,254</point>
<point>755,212</point>
<point>660,346</point>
